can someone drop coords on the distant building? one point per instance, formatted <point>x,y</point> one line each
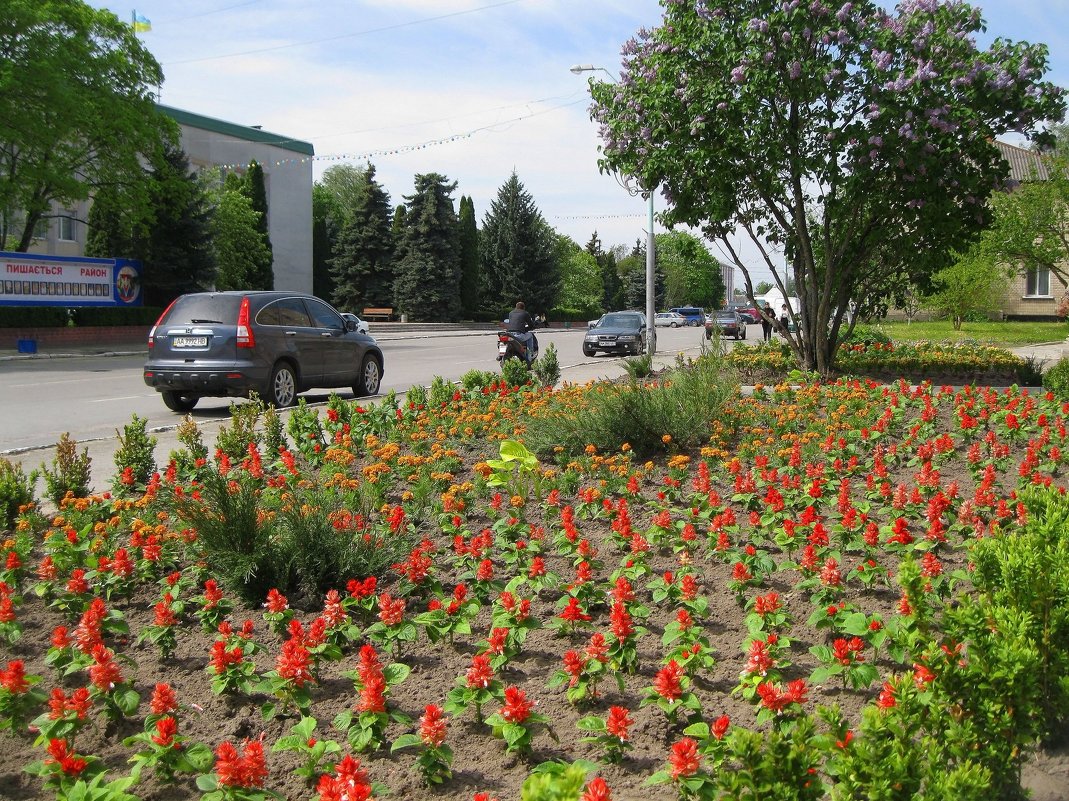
<point>208,142</point>
<point>1033,294</point>
<point>727,273</point>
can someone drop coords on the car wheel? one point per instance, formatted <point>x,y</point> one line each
<point>282,389</point>
<point>367,383</point>
<point>674,324</point>
<point>589,351</point>
<point>181,402</point>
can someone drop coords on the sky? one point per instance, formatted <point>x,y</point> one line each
<point>471,89</point>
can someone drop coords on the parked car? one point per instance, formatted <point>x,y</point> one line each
<point>748,313</point>
<point>727,322</point>
<point>693,314</point>
<point>277,344</point>
<point>617,332</point>
<point>361,325</point>
<point>670,319</point>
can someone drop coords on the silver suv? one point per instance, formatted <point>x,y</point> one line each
<point>277,344</point>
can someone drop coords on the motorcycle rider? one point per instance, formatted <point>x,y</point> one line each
<point>520,324</point>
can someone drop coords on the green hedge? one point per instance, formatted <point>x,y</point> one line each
<point>58,317</point>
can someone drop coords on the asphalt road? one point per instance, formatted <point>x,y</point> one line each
<point>94,396</point>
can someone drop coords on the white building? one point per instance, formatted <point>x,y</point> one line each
<point>208,142</point>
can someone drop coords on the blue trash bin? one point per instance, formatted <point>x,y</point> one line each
<point>27,346</point>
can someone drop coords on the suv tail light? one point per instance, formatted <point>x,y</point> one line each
<point>152,331</point>
<point>245,337</point>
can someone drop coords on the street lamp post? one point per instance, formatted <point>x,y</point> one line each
<point>651,253</point>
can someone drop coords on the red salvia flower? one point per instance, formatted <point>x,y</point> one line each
<point>276,602</point>
<point>618,723</point>
<point>164,700</point>
<point>294,663</point>
<point>720,727</point>
<point>105,672</point>
<point>166,729</point>
<point>596,790</point>
<point>212,594</point>
<point>61,754</point>
<point>620,621</point>
<point>247,771</point>
<point>623,591</point>
<point>573,665</point>
<point>13,678</point>
<point>163,614</point>
<point>222,657</point>
<point>391,610</point>
<point>667,682</point>
<point>432,726</point>
<point>480,674</point>
<point>497,641</point>
<point>573,612</point>
<point>517,708</point>
<point>77,584</point>
<point>684,758</point>
<point>349,782</point>
<point>598,649</point>
<point>372,682</point>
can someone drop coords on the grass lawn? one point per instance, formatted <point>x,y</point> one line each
<point>1003,334</point>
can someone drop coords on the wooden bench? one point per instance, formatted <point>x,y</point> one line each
<point>378,314</point>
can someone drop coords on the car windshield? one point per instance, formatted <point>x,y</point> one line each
<point>619,321</point>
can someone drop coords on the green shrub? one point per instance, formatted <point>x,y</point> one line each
<point>1056,379</point>
<point>547,367</point>
<point>477,380</point>
<point>16,489</point>
<point>70,472</point>
<point>679,411</point>
<point>866,335</point>
<point>639,366</point>
<point>233,440</point>
<point>416,396</point>
<point>137,452</point>
<point>324,556</point>
<point>440,392</point>
<point>515,373</point>
<point>233,537</point>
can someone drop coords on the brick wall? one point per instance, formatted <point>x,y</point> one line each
<point>130,337</point>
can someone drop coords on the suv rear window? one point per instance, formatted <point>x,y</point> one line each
<point>204,308</point>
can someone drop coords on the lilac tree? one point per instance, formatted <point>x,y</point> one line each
<point>851,143</point>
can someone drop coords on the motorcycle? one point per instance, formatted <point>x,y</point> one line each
<point>512,345</point>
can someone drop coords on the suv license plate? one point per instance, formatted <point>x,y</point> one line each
<point>189,342</point>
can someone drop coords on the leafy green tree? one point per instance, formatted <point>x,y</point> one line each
<point>470,267</point>
<point>363,263</point>
<point>581,278</point>
<point>632,270</point>
<point>692,275</point>
<point>237,243</point>
<point>428,274</point>
<point>970,286</point>
<point>77,110</point>
<point>857,141</point>
<point>1031,225</point>
<point>326,217</point>
<point>344,182</point>
<point>178,256</point>
<point>518,253</point>
<point>762,288</point>
<point>263,271</point>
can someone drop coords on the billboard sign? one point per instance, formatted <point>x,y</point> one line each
<point>31,279</point>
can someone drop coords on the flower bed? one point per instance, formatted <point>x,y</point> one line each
<point>833,547</point>
<point>939,363</point>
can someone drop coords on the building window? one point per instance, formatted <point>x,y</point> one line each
<point>66,227</point>
<point>1037,283</point>
<point>40,229</point>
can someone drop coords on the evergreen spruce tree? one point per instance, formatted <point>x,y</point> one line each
<point>428,274</point>
<point>264,275</point>
<point>179,255</point>
<point>518,253</point>
<point>469,260</point>
<point>612,287</point>
<point>363,264</point>
<point>399,224</point>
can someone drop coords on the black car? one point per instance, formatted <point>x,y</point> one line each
<point>277,344</point>
<point>616,332</point>
<point>727,322</point>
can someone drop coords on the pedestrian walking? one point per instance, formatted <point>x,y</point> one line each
<point>784,319</point>
<point>766,322</point>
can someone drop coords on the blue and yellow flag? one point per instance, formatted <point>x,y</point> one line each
<point>141,24</point>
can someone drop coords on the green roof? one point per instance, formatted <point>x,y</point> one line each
<point>248,133</point>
